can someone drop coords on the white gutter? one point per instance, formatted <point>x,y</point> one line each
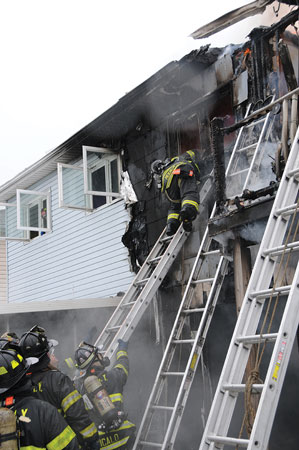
<point>58,305</point>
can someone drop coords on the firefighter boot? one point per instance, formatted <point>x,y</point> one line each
<point>172,226</point>
<point>187,214</point>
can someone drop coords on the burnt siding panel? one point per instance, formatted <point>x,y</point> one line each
<point>83,256</point>
<point>143,150</point>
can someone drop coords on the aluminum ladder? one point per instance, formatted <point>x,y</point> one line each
<point>274,245</point>
<point>141,291</point>
<point>206,256</point>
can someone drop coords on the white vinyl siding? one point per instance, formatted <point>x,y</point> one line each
<point>83,256</point>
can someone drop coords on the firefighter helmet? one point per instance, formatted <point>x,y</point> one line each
<point>35,343</point>
<point>12,368</point>
<point>87,354</point>
<point>6,343</point>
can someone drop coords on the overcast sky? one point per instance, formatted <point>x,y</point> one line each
<point>64,62</point>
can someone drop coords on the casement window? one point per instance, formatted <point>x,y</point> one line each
<point>33,212</point>
<point>95,184</point>
<point>8,223</point>
<point>26,219</point>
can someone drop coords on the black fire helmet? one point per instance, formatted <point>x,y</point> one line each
<point>12,368</point>
<point>87,354</point>
<point>35,343</point>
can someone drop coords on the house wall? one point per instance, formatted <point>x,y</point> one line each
<point>3,272</point>
<point>83,256</point>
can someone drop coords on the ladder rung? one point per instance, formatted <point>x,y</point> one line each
<point>293,172</point>
<point>113,329</point>
<point>151,444</point>
<point>145,280</point>
<point>181,374</point>
<point>183,341</point>
<point>255,338</point>
<point>241,387</point>
<point>238,172</point>
<point>154,260</point>
<point>192,311</point>
<point>248,147</point>
<point>256,122</point>
<point>275,251</point>
<point>203,280</point>
<point>127,305</point>
<point>287,210</point>
<point>270,292</point>
<point>166,238</point>
<point>211,252</point>
<point>163,408</point>
<point>228,440</point>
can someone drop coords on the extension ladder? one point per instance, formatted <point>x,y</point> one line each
<point>141,291</point>
<point>207,260</point>
<point>275,244</point>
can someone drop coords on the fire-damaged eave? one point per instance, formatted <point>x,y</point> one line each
<point>231,18</point>
<point>149,103</point>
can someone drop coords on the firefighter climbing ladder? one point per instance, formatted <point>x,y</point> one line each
<point>141,291</point>
<point>275,244</point>
<point>147,435</point>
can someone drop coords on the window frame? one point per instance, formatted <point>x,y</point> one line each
<point>61,203</point>
<point>47,195</point>
<point>8,238</point>
<point>87,173</point>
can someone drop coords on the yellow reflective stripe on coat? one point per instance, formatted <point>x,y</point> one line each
<point>62,440</point>
<point>191,202</point>
<point>116,444</point>
<point>70,399</point>
<point>173,216</point>
<point>121,353</point>
<point>124,426</point>
<point>89,431</point>
<point>168,175</point>
<point>120,366</point>
<point>116,397</point>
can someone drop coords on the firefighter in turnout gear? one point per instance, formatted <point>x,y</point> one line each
<point>103,391</point>
<point>177,178</point>
<point>38,425</point>
<point>53,386</point>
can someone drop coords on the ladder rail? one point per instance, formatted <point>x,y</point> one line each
<point>195,355</point>
<point>142,272</point>
<point>282,350</point>
<point>223,403</point>
<point>144,294</point>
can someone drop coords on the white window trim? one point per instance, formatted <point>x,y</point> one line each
<point>48,197</point>
<point>86,171</point>
<point>7,238</point>
<point>61,203</point>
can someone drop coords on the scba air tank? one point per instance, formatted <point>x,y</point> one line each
<point>8,430</point>
<point>101,400</point>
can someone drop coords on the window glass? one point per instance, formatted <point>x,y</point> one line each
<point>114,176</point>
<point>98,183</point>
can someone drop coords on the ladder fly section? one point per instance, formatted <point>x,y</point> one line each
<point>265,294</point>
<point>141,291</point>
<point>171,388</point>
